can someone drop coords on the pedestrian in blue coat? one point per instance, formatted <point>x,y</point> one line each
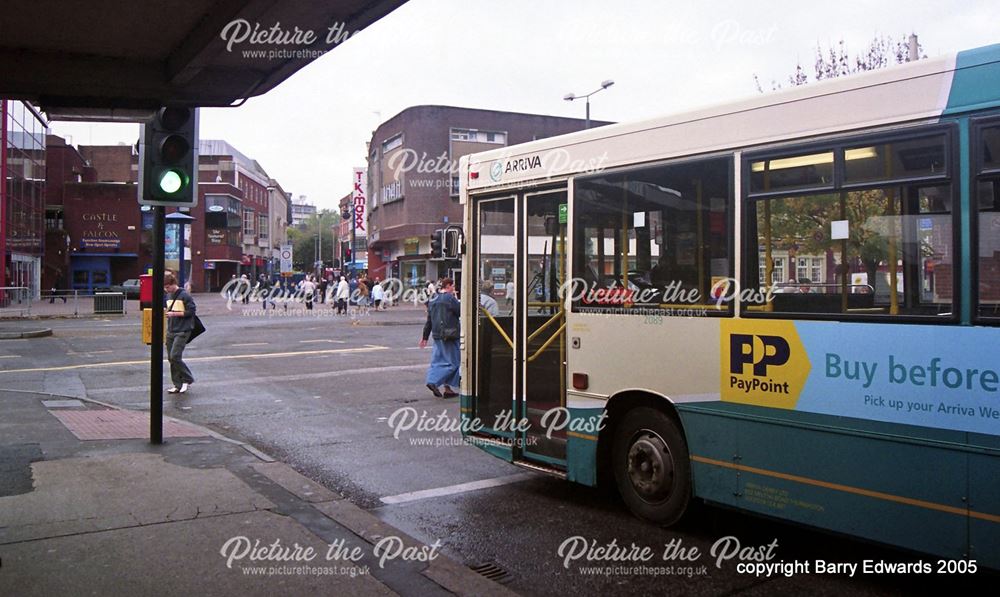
<point>443,323</point>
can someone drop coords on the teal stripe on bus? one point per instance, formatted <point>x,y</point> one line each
<point>976,83</point>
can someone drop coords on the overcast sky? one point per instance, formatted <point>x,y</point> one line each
<point>525,55</point>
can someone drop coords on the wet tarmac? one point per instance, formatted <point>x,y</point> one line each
<point>317,392</point>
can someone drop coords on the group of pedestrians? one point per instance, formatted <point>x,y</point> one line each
<point>342,293</point>
<point>361,292</point>
<point>443,324</point>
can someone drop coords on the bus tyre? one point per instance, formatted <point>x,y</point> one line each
<point>651,466</point>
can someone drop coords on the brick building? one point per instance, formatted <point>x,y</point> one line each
<point>63,163</point>
<point>413,178</point>
<point>97,234</point>
<point>242,180</point>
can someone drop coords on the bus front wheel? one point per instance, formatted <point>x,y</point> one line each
<point>651,466</point>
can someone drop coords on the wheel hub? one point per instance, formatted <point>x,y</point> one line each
<point>650,466</point>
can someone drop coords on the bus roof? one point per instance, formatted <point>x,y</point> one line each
<point>916,91</point>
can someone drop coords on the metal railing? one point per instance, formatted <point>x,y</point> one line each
<point>110,303</point>
<point>20,302</point>
<point>70,299</point>
<point>15,299</point>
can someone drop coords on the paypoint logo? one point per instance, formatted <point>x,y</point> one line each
<point>763,363</point>
<point>759,351</point>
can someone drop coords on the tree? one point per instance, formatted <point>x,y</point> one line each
<point>835,62</point>
<point>802,222</point>
<point>304,240</point>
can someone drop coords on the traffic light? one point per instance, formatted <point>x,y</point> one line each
<point>452,242</point>
<point>168,158</point>
<point>437,244</point>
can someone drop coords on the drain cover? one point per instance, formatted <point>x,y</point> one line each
<point>493,572</point>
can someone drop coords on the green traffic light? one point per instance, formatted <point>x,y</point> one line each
<point>171,181</point>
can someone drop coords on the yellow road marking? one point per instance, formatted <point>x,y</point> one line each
<point>367,348</point>
<point>848,489</point>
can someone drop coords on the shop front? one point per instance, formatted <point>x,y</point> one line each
<point>218,273</point>
<point>25,272</point>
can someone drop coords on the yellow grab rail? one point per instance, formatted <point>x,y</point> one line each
<point>497,326</point>
<point>542,348</point>
<point>545,325</point>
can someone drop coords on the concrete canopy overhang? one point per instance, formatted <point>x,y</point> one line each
<point>120,59</point>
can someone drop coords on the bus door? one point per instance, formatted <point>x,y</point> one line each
<point>542,342</point>
<point>494,243</point>
<point>519,340</point>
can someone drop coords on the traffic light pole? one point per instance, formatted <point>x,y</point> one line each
<point>156,346</point>
<point>168,176</point>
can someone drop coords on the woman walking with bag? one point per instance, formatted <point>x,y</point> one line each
<point>443,322</point>
<point>180,324</point>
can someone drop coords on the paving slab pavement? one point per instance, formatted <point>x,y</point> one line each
<point>194,516</point>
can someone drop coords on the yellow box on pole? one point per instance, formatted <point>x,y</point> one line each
<point>147,326</point>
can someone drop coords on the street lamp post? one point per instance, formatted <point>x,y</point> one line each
<point>570,97</point>
<point>318,265</point>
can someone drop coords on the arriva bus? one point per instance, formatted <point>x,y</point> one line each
<point>787,305</point>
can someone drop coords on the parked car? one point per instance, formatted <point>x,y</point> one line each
<point>129,287</point>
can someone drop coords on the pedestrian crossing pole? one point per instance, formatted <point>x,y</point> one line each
<point>168,176</point>
<point>156,345</point>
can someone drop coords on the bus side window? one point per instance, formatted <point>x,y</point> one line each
<point>660,234</point>
<point>988,202</point>
<point>867,248</point>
